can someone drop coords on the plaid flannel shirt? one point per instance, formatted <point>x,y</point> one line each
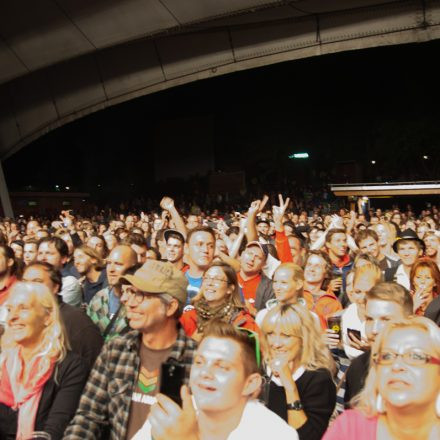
<point>105,402</point>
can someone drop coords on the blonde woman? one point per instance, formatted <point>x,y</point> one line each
<point>401,397</point>
<point>40,380</point>
<point>300,387</point>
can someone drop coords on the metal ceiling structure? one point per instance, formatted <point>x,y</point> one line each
<point>63,59</point>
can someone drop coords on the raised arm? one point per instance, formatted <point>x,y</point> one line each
<point>255,208</point>
<point>167,203</point>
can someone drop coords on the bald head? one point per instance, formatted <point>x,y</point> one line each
<point>121,258</point>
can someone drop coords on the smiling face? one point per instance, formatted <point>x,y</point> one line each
<point>26,319</point>
<point>83,262</point>
<point>218,381</point>
<point>432,244</point>
<point>408,251</point>
<point>408,386</point>
<point>315,269</point>
<point>174,250</point>
<point>215,286</point>
<point>369,246</point>
<point>285,286</point>
<point>252,260</point>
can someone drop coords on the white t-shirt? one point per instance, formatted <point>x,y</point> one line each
<point>350,319</point>
<point>259,422</point>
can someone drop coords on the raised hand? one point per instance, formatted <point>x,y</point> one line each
<point>167,203</point>
<point>279,211</point>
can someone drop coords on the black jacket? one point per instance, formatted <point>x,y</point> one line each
<point>58,402</point>
<point>317,393</point>
<point>84,336</point>
<point>433,310</point>
<point>264,292</point>
<point>355,377</point>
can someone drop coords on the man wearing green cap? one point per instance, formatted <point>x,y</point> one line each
<point>130,369</point>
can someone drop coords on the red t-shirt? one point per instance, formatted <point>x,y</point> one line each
<point>352,424</point>
<point>249,287</point>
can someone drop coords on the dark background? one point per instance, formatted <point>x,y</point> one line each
<point>344,109</point>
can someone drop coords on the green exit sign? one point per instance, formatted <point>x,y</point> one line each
<point>299,156</point>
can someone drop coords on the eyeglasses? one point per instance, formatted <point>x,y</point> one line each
<point>214,280</point>
<point>411,357</point>
<point>138,295</point>
<point>253,335</point>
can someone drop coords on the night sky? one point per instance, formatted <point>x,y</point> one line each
<point>379,104</point>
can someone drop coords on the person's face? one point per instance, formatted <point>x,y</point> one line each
<point>32,228</point>
<point>40,275</point>
<point>145,226</point>
<point>408,252</point>
<point>423,279</point>
<point>283,346</point>
<point>146,315</point>
<point>174,250</point>
<point>432,244</point>
<point>263,228</point>
<point>5,264</point>
<point>396,219</point>
<point>129,222</point>
<point>29,253</point>
<point>217,380</point>
<point>26,319</point>
<point>83,262</point>
<point>361,286</point>
<point>141,252</point>
<point>284,284</point>
<point>252,260</point>
<point>337,245</point>
<point>315,269</point>
<point>68,239</point>
<point>295,246</point>
<point>410,225</point>
<point>192,222</point>
<point>18,251</point>
<point>374,220</point>
<point>41,233</point>
<point>97,244</point>
<point>378,313</point>
<point>111,241</point>
<point>157,224</point>
<point>369,246</point>
<point>118,262</point>
<point>48,253</point>
<point>382,233</point>
<point>421,231</point>
<point>215,286</point>
<point>402,385</point>
<point>201,249</point>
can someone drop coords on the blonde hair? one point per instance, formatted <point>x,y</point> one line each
<point>297,275</point>
<point>296,320</point>
<point>54,343</point>
<point>92,253</point>
<point>391,231</point>
<point>368,270</point>
<point>366,400</point>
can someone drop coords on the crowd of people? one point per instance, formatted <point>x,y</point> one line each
<point>268,321</point>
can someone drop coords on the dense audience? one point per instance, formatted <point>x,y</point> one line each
<point>223,324</point>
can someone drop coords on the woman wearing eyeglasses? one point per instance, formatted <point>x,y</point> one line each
<point>40,380</point>
<point>300,388</point>
<point>401,397</point>
<point>219,298</point>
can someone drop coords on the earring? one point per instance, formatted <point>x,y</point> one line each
<point>380,407</point>
<point>437,405</point>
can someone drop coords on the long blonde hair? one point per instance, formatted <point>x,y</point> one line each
<point>366,400</point>
<point>54,344</point>
<point>296,320</point>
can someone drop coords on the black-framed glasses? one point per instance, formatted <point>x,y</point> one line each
<point>253,335</point>
<point>138,295</point>
<point>412,357</point>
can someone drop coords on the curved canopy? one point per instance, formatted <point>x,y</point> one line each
<point>63,59</point>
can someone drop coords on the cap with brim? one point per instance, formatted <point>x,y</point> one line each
<point>159,277</point>
<point>263,220</point>
<point>169,232</point>
<point>263,247</point>
<point>408,234</point>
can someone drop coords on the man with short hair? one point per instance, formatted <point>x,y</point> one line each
<point>175,245</point>
<point>367,241</point>
<point>225,381</point>
<point>138,243</point>
<point>408,247</point>
<point>105,308</point>
<point>257,288</point>
<point>337,249</point>
<point>30,251</point>
<point>200,247</point>
<point>432,244</point>
<point>130,369</point>
<point>385,302</point>
<point>54,250</point>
